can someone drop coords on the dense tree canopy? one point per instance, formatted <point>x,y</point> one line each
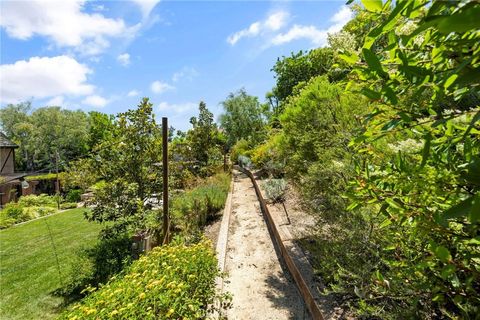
<point>243,118</point>
<point>44,132</point>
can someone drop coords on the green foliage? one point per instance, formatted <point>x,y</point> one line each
<point>244,162</point>
<point>318,124</point>
<point>27,208</point>
<point>127,165</point>
<point>73,195</point>
<point>275,189</point>
<point>192,209</point>
<point>268,156</point>
<point>300,67</point>
<point>418,156</point>
<point>242,147</point>
<point>68,205</point>
<point>10,214</point>
<point>172,282</point>
<point>202,138</point>
<point>44,132</point>
<point>242,118</point>
<point>41,200</point>
<point>100,129</point>
<point>46,176</point>
<point>95,265</point>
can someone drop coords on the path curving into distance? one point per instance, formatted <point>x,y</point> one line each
<point>260,284</point>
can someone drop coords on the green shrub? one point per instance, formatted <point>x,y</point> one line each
<point>37,212</point>
<point>5,220</point>
<point>12,211</point>
<point>68,205</point>
<point>192,209</point>
<point>95,266</point>
<point>171,282</point>
<point>242,147</point>
<point>275,189</point>
<point>268,156</point>
<point>46,176</point>
<point>41,200</point>
<point>16,212</point>
<point>244,162</point>
<point>73,195</point>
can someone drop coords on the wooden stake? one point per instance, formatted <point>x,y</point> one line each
<point>166,218</point>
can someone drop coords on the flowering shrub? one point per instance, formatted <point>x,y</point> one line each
<point>172,282</point>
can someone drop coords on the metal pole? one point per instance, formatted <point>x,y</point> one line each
<point>166,218</point>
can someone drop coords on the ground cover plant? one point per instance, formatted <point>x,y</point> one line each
<point>171,282</point>
<point>30,263</point>
<point>27,208</point>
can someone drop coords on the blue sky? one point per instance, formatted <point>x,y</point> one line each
<point>106,55</point>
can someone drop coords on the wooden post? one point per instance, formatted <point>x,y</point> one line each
<point>166,218</point>
<point>57,184</point>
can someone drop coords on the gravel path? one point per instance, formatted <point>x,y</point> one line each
<point>262,288</point>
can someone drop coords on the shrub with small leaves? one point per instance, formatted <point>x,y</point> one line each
<point>171,282</point>
<point>275,189</point>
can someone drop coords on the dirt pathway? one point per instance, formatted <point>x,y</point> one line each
<point>262,288</point>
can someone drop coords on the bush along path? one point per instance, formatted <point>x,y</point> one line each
<point>260,284</point>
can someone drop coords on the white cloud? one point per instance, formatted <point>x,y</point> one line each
<point>273,22</point>
<point>43,77</point>
<point>177,107</point>
<point>95,101</point>
<point>124,59</point>
<point>63,22</point>
<point>276,20</point>
<point>160,87</point>
<point>317,37</point>
<point>187,73</point>
<point>56,101</point>
<point>341,17</point>
<point>133,93</point>
<point>146,6</point>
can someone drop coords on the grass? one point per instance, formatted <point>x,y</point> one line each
<point>28,266</point>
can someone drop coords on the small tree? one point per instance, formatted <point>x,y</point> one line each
<point>127,166</point>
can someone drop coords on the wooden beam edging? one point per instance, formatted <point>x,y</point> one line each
<point>297,276</point>
<point>222,239</point>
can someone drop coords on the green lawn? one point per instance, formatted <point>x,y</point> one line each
<point>28,268</point>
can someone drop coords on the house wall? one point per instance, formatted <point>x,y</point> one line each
<point>10,160</point>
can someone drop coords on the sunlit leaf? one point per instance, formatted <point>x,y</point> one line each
<point>442,253</point>
<point>373,5</point>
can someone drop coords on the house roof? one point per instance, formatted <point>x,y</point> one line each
<point>5,143</point>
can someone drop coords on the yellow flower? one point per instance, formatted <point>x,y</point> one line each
<point>170,312</point>
<point>90,311</point>
<point>142,295</point>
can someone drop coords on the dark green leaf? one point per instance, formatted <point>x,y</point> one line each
<point>373,61</point>
<point>426,149</point>
<point>370,94</point>
<point>460,209</point>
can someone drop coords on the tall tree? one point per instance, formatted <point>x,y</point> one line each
<point>243,118</point>
<point>202,136</point>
